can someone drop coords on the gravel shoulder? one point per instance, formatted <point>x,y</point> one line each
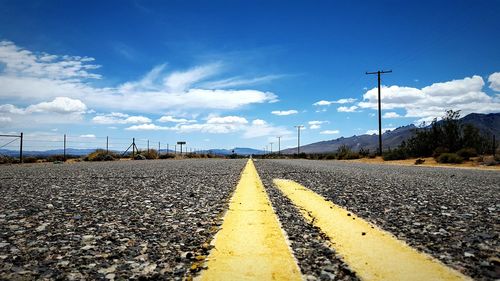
<point>115,220</point>
<point>452,214</point>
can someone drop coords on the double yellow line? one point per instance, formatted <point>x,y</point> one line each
<point>251,244</point>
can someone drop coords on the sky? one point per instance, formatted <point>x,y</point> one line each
<point>224,74</point>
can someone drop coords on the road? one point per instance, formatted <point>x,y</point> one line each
<point>159,219</point>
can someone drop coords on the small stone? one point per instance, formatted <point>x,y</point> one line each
<point>468,255</point>
<point>50,206</point>
<point>110,276</point>
<point>42,227</point>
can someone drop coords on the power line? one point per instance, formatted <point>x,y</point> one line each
<point>379,109</point>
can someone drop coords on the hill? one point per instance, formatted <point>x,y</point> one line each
<point>488,124</point>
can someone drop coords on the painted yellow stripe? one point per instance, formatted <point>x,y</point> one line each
<point>251,244</point>
<point>371,252</point>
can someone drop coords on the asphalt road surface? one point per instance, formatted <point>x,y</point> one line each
<point>157,219</point>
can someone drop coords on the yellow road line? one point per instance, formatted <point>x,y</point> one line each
<point>371,252</point>
<point>251,244</point>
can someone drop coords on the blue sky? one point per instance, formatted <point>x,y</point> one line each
<point>223,74</point>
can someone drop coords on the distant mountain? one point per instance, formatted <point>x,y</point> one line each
<point>69,151</point>
<point>488,124</point>
<point>237,150</point>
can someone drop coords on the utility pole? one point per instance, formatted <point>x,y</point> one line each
<point>64,153</point>
<point>159,149</point>
<point>279,145</point>
<point>21,148</point>
<point>298,138</point>
<point>107,145</point>
<point>379,109</point>
<point>271,143</point>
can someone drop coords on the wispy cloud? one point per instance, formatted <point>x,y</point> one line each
<point>352,108</point>
<point>220,125</point>
<point>120,118</point>
<point>240,81</point>
<point>42,77</point>
<point>340,101</point>
<point>315,124</point>
<point>389,115</point>
<point>330,132</point>
<point>284,112</point>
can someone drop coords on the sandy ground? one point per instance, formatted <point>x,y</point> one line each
<point>429,161</point>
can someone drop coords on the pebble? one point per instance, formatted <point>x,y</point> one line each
<point>114,220</point>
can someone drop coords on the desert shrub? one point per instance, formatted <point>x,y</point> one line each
<point>55,158</point>
<point>6,159</point>
<point>345,153</point>
<point>395,154</point>
<point>151,154</point>
<point>330,156</point>
<point>167,156</point>
<point>140,157</point>
<point>467,153</point>
<point>30,159</point>
<point>364,152</point>
<point>450,158</point>
<point>438,151</point>
<point>100,155</point>
<point>419,161</point>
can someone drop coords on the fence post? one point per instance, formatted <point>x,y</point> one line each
<point>133,148</point>
<point>21,149</point>
<point>64,151</point>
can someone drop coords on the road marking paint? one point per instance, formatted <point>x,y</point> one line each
<point>371,252</point>
<point>251,244</point>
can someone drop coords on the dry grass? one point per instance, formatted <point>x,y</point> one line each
<point>431,162</point>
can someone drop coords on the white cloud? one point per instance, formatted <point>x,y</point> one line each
<point>221,125</point>
<point>238,81</point>
<point>5,119</point>
<point>284,112</point>
<point>63,105</point>
<point>315,124</point>
<point>37,77</point>
<point>494,81</point>
<point>89,136</point>
<point>9,108</point>
<point>371,132</point>
<point>182,80</point>
<point>120,118</point>
<point>259,122</point>
<point>347,109</point>
<point>227,120</point>
<point>168,118</point>
<point>389,115</point>
<point>340,101</point>
<point>432,101</point>
<point>330,132</point>
<point>18,61</point>
<point>147,127</point>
